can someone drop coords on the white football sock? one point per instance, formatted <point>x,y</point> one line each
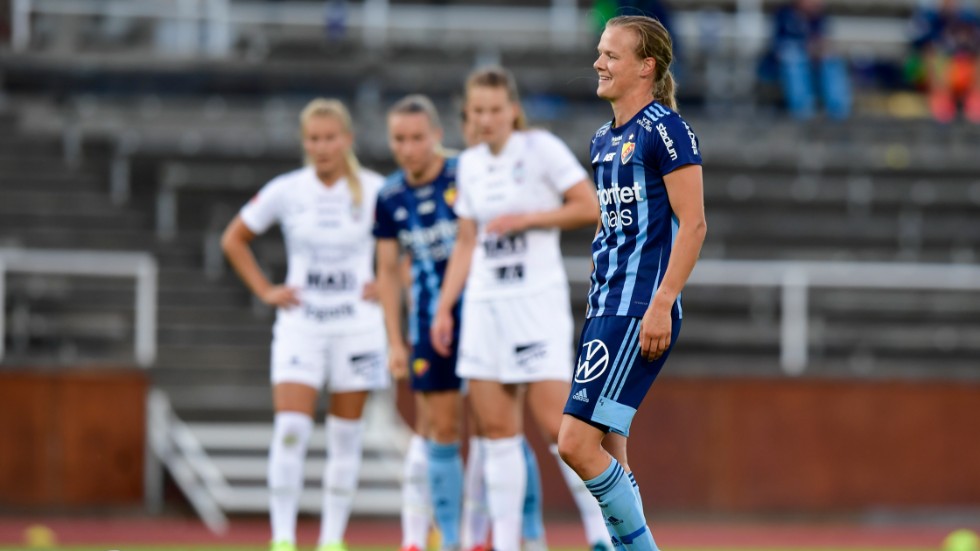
<point>290,435</point>
<point>476,519</point>
<point>344,442</point>
<point>506,478</point>
<point>588,507</point>
<point>416,511</point>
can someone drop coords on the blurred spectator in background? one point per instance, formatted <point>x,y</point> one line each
<point>946,44</point>
<point>805,63</point>
<point>335,19</point>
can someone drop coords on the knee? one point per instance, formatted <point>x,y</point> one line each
<point>496,431</point>
<point>573,450</point>
<point>444,431</point>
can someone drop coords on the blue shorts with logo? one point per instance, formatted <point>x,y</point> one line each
<point>611,378</point>
<point>430,372</point>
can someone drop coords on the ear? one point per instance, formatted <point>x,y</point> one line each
<point>648,67</point>
<point>518,109</point>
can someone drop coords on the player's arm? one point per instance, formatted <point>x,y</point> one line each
<point>685,191</point>
<point>580,208</point>
<point>389,288</point>
<point>457,270</point>
<point>235,244</point>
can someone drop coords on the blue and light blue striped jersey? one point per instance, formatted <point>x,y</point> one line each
<point>638,226</point>
<point>422,220</point>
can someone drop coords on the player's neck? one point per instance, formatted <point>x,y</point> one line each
<point>496,148</point>
<point>626,108</point>
<point>329,178</point>
<point>427,176</point>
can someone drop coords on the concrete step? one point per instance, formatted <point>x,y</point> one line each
<point>63,202</point>
<point>91,221</point>
<point>228,317</point>
<point>191,334</point>
<point>224,356</point>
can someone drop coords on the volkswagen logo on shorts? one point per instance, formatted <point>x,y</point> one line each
<point>593,361</point>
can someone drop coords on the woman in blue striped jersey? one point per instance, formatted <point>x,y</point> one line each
<point>647,166</point>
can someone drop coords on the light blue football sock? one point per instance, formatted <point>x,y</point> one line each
<point>621,509</point>
<point>533,523</point>
<point>446,487</point>
<point>636,489</point>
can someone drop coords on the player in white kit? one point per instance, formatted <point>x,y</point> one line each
<point>327,332</point>
<point>516,191</point>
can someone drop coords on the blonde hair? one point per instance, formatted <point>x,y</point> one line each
<point>654,41</point>
<point>498,77</point>
<point>322,107</point>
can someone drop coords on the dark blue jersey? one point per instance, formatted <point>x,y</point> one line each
<point>633,244</point>
<point>422,220</point>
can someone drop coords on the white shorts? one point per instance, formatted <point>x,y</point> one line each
<point>342,362</point>
<point>517,340</point>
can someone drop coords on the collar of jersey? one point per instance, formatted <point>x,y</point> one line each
<point>619,129</point>
<point>514,144</point>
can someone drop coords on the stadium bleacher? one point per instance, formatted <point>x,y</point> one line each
<point>132,149</point>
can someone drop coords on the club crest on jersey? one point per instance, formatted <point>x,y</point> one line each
<point>627,152</point>
<point>420,366</point>
<point>450,196</point>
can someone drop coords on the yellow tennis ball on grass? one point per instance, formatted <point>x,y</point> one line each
<point>962,540</point>
<point>39,536</point>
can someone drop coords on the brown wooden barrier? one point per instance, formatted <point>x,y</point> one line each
<point>799,445</point>
<point>71,437</point>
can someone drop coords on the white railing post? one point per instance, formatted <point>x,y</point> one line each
<point>219,28</point>
<point>20,22</point>
<point>157,450</point>
<point>374,21</point>
<point>146,313</point>
<point>794,330</point>
<point>3,306</point>
<point>564,23</point>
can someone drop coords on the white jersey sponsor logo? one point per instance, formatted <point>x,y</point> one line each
<point>622,198</point>
<point>693,138</point>
<point>668,142</point>
<point>592,362</point>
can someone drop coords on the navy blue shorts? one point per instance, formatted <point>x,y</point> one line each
<point>430,372</point>
<point>611,378</point>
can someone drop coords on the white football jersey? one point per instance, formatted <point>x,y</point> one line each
<point>329,247</point>
<point>531,173</point>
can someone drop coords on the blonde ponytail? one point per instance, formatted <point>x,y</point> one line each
<point>322,107</point>
<point>666,91</point>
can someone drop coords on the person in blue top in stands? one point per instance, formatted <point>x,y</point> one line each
<point>647,167</point>
<point>803,55</point>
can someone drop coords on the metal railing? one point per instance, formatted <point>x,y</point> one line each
<point>210,27</point>
<point>141,266</point>
<point>794,279</point>
<point>221,466</point>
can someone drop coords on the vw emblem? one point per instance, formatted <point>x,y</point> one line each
<point>593,361</point>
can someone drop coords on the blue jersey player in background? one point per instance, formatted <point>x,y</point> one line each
<point>415,214</point>
<point>647,165</point>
